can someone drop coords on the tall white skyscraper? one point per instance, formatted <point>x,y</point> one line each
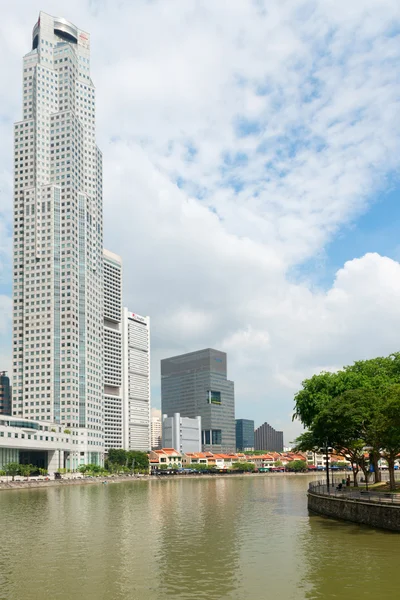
<point>136,357</point>
<point>58,315</point>
<point>113,363</point>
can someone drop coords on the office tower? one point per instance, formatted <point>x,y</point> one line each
<point>267,438</point>
<point>181,433</point>
<point>244,434</point>
<point>136,359</point>
<point>58,239</point>
<point>156,429</point>
<point>196,384</point>
<point>113,364</point>
<point>5,394</point>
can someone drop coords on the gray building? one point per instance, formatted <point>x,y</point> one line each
<point>5,394</point>
<point>181,433</point>
<point>244,434</point>
<point>196,384</point>
<point>267,438</point>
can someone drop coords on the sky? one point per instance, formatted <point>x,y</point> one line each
<point>251,179</point>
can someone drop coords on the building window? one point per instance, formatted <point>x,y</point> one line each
<point>216,437</point>
<point>214,397</point>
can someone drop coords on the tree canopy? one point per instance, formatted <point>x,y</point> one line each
<point>356,411</point>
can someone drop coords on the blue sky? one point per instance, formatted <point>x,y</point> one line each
<point>375,230</point>
<point>250,179</point>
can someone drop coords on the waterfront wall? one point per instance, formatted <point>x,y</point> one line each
<point>374,514</point>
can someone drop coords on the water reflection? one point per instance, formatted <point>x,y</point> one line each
<point>220,539</point>
<point>345,560</point>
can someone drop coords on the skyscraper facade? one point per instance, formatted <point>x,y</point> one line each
<point>113,363</point>
<point>58,315</point>
<point>136,359</point>
<point>196,384</point>
<point>267,438</point>
<point>181,433</point>
<point>244,434</point>
<point>5,394</point>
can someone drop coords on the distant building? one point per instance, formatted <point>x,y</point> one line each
<point>5,394</point>
<point>267,438</point>
<point>244,434</point>
<point>113,364</point>
<point>181,433</point>
<point>196,384</point>
<point>136,358</point>
<point>156,429</point>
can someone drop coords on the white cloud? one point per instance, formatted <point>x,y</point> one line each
<point>278,120</point>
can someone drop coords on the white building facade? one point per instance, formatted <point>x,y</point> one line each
<point>181,433</point>
<point>58,315</point>
<point>156,429</point>
<point>136,384</point>
<point>113,360</point>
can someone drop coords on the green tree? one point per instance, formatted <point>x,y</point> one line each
<point>297,466</point>
<point>138,461</point>
<point>26,470</point>
<point>374,375</point>
<point>243,466</point>
<point>389,430</point>
<point>198,467</point>
<point>118,456</point>
<point>278,463</point>
<point>12,469</point>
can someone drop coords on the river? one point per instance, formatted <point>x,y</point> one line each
<point>235,538</point>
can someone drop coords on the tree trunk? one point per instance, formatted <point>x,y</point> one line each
<point>355,482</point>
<point>375,462</point>
<point>392,482</point>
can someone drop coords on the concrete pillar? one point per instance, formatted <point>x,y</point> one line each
<point>176,432</point>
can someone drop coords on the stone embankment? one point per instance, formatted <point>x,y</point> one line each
<point>380,512</point>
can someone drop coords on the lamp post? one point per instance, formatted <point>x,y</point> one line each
<point>327,465</point>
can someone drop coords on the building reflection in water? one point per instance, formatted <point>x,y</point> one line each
<point>198,551</point>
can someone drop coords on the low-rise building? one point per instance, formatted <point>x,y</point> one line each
<point>196,458</point>
<point>43,444</point>
<point>166,458</point>
<point>261,461</point>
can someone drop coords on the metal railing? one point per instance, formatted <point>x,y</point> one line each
<point>356,494</point>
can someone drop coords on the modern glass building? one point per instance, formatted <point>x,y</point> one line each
<point>5,394</point>
<point>244,434</point>
<point>196,384</point>
<point>58,315</point>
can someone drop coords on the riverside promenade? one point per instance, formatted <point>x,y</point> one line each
<point>358,505</point>
<point>73,479</point>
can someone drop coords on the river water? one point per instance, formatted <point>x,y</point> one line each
<point>235,538</point>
